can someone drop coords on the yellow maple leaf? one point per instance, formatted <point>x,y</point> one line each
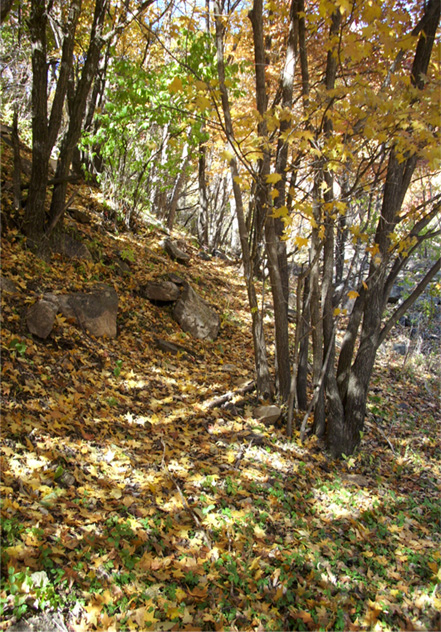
<point>272,178</point>
<point>175,86</point>
<point>202,103</point>
<point>227,155</point>
<point>353,294</point>
<point>301,241</point>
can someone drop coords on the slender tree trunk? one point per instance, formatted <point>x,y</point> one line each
<point>179,183</point>
<point>34,218</point>
<point>261,361</point>
<point>17,160</point>
<point>262,202</point>
<point>77,111</point>
<point>202,224</point>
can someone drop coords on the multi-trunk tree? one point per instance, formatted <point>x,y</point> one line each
<point>362,121</point>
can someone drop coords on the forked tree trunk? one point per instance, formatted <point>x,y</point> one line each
<point>44,131</point>
<point>347,391</point>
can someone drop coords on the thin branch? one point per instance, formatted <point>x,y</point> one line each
<point>410,300</point>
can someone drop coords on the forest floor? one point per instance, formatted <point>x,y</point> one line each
<point>129,504</point>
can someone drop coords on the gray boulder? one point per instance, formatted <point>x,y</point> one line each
<point>160,291</point>
<point>95,311</point>
<point>71,248</point>
<point>171,248</point>
<point>195,316</point>
<point>268,415</point>
<point>40,317</point>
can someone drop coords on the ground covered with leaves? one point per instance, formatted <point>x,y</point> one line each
<point>130,503</point>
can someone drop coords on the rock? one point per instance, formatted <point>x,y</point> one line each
<point>228,368</point>
<point>51,622</point>
<point>6,285</point>
<point>405,321</point>
<point>80,216</point>
<point>195,316</point>
<point>175,278</point>
<point>174,252</point>
<point>40,318</point>
<point>395,294</point>
<point>268,415</point>
<point>95,311</point>
<point>174,349</point>
<point>72,248</point>
<point>162,290</point>
<point>400,348</point>
<point>219,255</point>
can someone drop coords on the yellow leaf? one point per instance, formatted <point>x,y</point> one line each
<point>274,194</point>
<point>202,103</point>
<point>180,594</point>
<point>353,294</point>
<point>337,311</point>
<point>259,532</point>
<point>301,241</point>
<point>227,155</point>
<point>272,178</point>
<point>280,212</point>
<point>175,86</point>
<point>144,615</point>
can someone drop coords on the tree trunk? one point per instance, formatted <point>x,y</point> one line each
<point>179,183</point>
<point>262,203</point>
<point>44,132</point>
<point>261,361</point>
<point>346,420</point>
<point>77,111</point>
<point>202,224</point>
<point>34,217</point>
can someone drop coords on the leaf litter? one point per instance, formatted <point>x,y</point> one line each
<point>128,503</point>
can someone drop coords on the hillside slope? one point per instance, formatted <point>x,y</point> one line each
<point>130,501</point>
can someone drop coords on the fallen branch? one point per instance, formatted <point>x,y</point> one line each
<point>227,397</point>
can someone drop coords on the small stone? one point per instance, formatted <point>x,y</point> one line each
<point>268,415</point>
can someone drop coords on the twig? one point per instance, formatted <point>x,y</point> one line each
<point>383,434</point>
<point>184,500</point>
<point>241,454</point>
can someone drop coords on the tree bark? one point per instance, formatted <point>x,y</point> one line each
<point>261,361</point>
<point>263,203</point>
<point>77,110</point>
<point>34,217</point>
<point>353,377</point>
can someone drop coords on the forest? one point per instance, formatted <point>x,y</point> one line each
<point>221,315</point>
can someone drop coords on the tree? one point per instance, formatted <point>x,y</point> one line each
<point>346,380</point>
<point>46,128</point>
<point>261,362</point>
